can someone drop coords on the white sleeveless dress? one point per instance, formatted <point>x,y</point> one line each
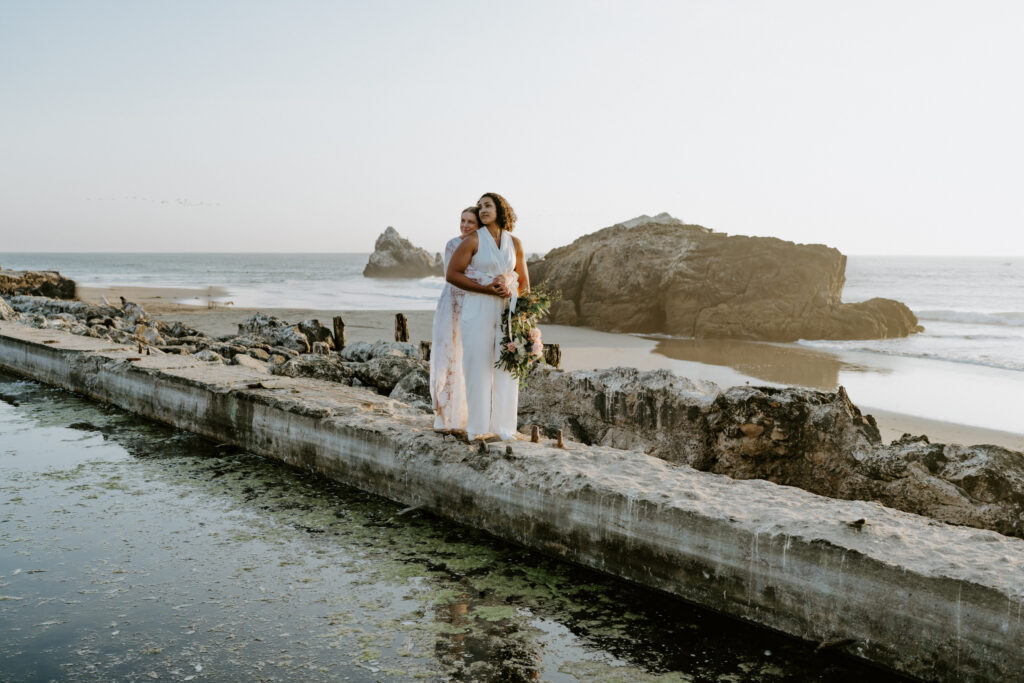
<point>492,394</point>
<point>447,384</point>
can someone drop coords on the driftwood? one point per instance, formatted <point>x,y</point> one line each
<point>339,333</point>
<point>401,328</point>
<point>553,355</point>
<point>425,350</point>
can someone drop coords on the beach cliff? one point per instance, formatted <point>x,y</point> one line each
<point>660,275</point>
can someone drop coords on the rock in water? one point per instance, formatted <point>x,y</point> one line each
<point>396,257</point>
<point>660,275</point>
<point>41,283</point>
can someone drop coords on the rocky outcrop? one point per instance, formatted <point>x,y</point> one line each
<point>659,275</point>
<point>6,312</point>
<point>41,305</point>
<point>816,441</point>
<point>264,343</point>
<point>126,325</point>
<point>391,368</point>
<point>396,257</point>
<point>36,283</point>
<point>276,332</point>
<point>820,442</point>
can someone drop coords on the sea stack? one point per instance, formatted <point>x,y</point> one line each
<point>661,275</point>
<point>396,257</point>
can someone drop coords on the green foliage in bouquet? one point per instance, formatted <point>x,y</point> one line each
<point>521,343</point>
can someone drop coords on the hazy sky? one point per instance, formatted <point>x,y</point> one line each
<point>875,127</point>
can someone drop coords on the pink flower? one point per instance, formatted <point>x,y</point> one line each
<point>537,348</point>
<point>511,347</point>
<point>534,334</point>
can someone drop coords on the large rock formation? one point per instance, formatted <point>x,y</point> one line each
<point>813,440</point>
<point>36,283</point>
<point>394,256</point>
<point>660,275</point>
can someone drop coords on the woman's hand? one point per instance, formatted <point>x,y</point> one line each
<point>499,287</point>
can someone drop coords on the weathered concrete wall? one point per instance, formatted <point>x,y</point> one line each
<point>932,600</point>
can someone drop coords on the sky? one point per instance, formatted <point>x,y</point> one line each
<point>892,127</point>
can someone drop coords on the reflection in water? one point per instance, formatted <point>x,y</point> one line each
<point>132,551</point>
<point>770,362</point>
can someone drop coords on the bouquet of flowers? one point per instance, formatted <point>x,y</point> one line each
<point>521,344</point>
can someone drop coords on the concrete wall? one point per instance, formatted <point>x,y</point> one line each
<point>928,599</point>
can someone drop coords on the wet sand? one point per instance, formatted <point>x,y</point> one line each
<point>948,402</point>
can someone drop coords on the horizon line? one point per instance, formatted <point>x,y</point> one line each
<point>309,253</point>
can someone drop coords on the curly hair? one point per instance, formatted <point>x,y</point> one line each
<point>506,215</point>
<point>475,210</point>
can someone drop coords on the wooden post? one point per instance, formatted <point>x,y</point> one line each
<point>535,434</point>
<point>425,350</point>
<point>401,328</point>
<point>553,355</point>
<point>339,333</point>
<point>561,443</point>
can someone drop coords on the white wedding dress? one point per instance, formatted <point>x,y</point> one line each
<point>492,394</point>
<point>447,384</point>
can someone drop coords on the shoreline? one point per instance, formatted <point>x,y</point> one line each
<point>726,363</point>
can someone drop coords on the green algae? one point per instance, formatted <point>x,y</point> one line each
<point>494,612</point>
<point>180,554</point>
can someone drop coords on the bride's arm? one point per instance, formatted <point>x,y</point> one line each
<point>521,270</point>
<point>456,273</point>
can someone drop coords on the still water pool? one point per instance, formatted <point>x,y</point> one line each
<point>133,551</point>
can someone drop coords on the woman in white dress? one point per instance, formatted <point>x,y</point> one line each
<point>447,385</point>
<point>491,253</point>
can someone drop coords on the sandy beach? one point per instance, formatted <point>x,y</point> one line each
<point>924,409</point>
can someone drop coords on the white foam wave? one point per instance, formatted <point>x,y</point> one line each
<point>1005,319</point>
<point>993,359</point>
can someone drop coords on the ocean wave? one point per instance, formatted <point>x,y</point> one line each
<point>968,357</point>
<point>1005,319</point>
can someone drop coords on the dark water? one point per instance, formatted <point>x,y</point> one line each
<point>132,551</point>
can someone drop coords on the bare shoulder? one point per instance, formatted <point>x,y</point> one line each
<point>516,242</point>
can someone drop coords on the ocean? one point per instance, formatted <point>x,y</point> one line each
<point>315,281</point>
<point>972,309</point>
